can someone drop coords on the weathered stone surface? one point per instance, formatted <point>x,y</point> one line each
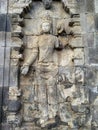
<point>3,7</point>
<point>6,66</point>
<point>5,126</point>
<point>14,76</point>
<point>58,41</point>
<point>95,5</point>
<point>90,6</point>
<point>90,22</point>
<point>14,106</point>
<point>93,55</point>
<point>78,56</point>
<point>90,40</point>
<point>2,22</point>
<point>47,3</point>
<point>1,76</point>
<point>1,56</point>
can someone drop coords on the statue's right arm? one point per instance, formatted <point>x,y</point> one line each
<point>30,60</point>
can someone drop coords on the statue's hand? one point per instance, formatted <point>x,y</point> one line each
<point>24,69</point>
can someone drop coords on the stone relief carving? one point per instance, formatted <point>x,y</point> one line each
<point>46,71</point>
<point>51,81</point>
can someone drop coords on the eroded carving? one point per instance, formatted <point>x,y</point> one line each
<point>47,3</point>
<point>52,84</point>
<point>46,71</point>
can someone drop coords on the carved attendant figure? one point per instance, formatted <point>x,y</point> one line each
<point>46,71</point>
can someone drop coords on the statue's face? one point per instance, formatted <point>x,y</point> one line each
<point>46,27</point>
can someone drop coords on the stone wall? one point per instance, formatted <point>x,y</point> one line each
<point>58,95</point>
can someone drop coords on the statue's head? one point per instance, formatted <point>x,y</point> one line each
<point>46,23</point>
<point>46,26</point>
<point>47,3</point>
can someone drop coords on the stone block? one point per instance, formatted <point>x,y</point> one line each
<point>93,94</point>
<point>79,75</point>
<point>5,96</point>
<point>8,39</point>
<point>96,5</point>
<point>5,126</point>
<point>1,76</point>
<point>75,28</point>
<point>82,5</point>
<point>14,54</point>
<point>1,103</point>
<point>14,62</point>
<point>7,66</point>
<point>65,57</point>
<point>90,40</point>
<point>76,42</point>
<point>96,21</point>
<point>3,7</point>
<point>8,26</point>
<point>29,94</point>
<point>90,22</point>
<point>91,74</point>
<point>2,56</point>
<point>83,22</point>
<point>96,40</point>
<point>14,71</point>
<point>78,56</point>
<point>2,39</point>
<point>16,42</point>
<point>14,106</point>
<point>1,96</point>
<point>93,59</point>
<point>3,22</point>
<point>90,6</point>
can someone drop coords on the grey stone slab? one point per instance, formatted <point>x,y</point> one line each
<point>83,22</point>
<point>82,5</point>
<point>3,6</point>
<point>90,39</point>
<point>8,39</point>
<point>96,40</point>
<point>93,55</point>
<point>5,98</point>
<point>90,5</point>
<point>1,104</point>
<point>1,55</point>
<point>1,76</point>
<point>0,114</point>
<point>7,66</point>
<point>90,77</point>
<point>90,22</point>
<point>5,127</point>
<point>93,94</point>
<point>96,6</point>
<point>8,22</point>
<point>2,39</point>
<point>96,21</point>
<point>14,76</point>
<point>1,96</point>
<point>3,19</point>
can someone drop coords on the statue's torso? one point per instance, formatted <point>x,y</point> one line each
<point>46,45</point>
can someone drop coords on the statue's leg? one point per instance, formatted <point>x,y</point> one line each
<point>42,97</point>
<point>52,96</point>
